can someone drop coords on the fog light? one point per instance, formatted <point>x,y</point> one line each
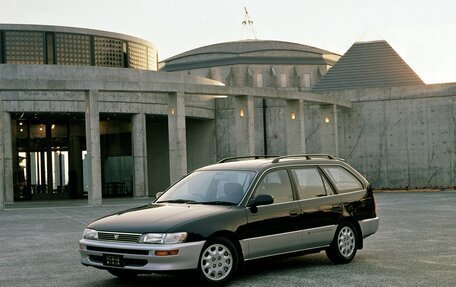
<point>166,252</point>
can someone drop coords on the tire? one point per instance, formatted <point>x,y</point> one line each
<point>343,248</point>
<point>123,274</point>
<point>218,261</point>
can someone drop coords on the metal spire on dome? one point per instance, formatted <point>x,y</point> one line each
<point>248,27</point>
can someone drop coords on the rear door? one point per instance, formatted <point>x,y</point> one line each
<point>321,209</point>
<point>275,228</point>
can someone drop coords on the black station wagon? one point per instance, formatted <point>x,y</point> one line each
<point>240,209</point>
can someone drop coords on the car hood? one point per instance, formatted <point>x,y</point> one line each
<point>154,217</point>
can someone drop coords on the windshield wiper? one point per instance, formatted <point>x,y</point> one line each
<point>216,202</point>
<point>177,201</point>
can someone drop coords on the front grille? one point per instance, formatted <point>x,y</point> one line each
<point>117,250</point>
<point>120,237</point>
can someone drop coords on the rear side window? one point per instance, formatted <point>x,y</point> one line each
<point>308,182</point>
<point>343,179</point>
<point>276,183</point>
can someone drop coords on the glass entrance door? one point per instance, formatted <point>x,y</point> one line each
<point>43,160</point>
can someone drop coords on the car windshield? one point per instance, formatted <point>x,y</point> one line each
<point>226,187</point>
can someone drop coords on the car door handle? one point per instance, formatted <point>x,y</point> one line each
<point>337,207</point>
<point>295,213</point>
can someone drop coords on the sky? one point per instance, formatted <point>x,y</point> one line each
<point>423,32</point>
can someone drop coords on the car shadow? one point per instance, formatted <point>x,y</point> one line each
<point>281,264</point>
<point>162,280</point>
<point>252,270</point>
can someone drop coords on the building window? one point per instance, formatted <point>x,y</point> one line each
<point>72,49</point>
<point>283,80</point>
<point>152,61</point>
<point>22,47</point>
<point>306,80</point>
<point>137,56</point>
<point>1,48</point>
<point>259,80</point>
<point>108,52</point>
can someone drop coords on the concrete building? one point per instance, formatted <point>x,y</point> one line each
<point>273,65</point>
<point>76,129</point>
<point>86,114</point>
<point>399,132</point>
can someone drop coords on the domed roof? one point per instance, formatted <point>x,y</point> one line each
<point>245,51</point>
<point>247,46</point>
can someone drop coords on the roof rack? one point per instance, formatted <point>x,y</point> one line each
<point>306,156</point>
<point>234,158</point>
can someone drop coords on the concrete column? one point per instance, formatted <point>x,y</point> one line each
<point>244,116</point>
<point>336,133</point>
<point>295,132</point>
<point>177,136</point>
<point>92,123</point>
<point>329,134</point>
<point>2,164</point>
<point>139,146</point>
<point>8,158</point>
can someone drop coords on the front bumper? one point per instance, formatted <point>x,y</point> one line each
<point>141,257</point>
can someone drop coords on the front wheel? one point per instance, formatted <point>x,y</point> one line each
<point>343,248</point>
<point>218,261</point>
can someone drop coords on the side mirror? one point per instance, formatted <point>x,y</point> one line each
<point>158,194</point>
<point>262,199</point>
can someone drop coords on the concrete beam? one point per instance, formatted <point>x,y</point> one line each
<point>177,136</point>
<point>160,87</point>
<point>295,132</point>
<point>139,146</point>
<point>244,122</point>
<point>92,123</point>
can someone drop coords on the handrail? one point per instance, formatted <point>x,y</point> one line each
<point>306,156</point>
<point>278,158</point>
<point>246,157</point>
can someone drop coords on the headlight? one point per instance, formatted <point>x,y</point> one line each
<point>90,234</point>
<point>164,238</point>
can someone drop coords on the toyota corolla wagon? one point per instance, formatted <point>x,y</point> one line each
<point>240,209</point>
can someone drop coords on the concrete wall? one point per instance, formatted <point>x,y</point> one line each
<point>400,137</point>
<point>275,127</point>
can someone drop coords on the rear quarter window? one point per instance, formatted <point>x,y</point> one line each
<point>344,180</point>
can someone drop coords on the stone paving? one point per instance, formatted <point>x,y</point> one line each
<point>415,246</point>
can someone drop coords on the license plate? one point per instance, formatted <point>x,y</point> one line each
<point>113,260</point>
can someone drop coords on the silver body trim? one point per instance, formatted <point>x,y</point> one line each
<point>318,236</point>
<point>277,244</point>
<point>369,226</point>
<point>186,259</point>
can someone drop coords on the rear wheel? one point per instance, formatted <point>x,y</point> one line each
<point>343,248</point>
<point>218,261</point>
<point>123,274</point>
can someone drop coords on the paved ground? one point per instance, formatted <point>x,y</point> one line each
<point>415,246</point>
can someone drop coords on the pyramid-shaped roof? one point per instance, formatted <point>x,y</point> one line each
<point>368,64</point>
